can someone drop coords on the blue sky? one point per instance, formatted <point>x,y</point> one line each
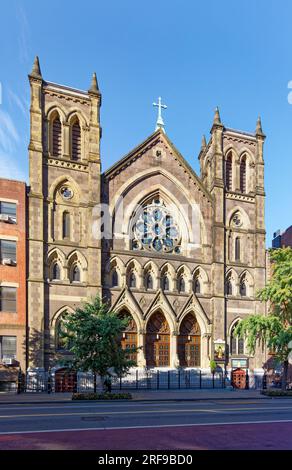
<point>196,55</point>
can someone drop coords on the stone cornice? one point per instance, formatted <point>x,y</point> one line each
<point>240,197</point>
<point>62,163</point>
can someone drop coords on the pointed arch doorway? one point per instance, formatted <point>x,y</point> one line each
<point>129,335</point>
<point>189,342</point>
<point>157,341</point>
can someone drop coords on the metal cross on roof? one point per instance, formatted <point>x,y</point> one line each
<point>159,122</point>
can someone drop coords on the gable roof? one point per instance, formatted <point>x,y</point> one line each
<point>150,142</point>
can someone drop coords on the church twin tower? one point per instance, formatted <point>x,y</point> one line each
<point>183,256</point>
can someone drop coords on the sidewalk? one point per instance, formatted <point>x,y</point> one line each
<point>140,395</point>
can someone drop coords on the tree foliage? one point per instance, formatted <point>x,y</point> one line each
<point>273,330</point>
<point>92,334</point>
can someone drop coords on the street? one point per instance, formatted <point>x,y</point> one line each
<point>226,424</point>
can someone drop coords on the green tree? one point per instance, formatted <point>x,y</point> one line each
<point>273,330</point>
<point>93,335</point>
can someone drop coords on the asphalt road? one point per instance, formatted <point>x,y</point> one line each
<point>225,424</point>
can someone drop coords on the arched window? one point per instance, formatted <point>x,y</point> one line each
<point>66,224</point>
<point>237,249</point>
<point>242,287</point>
<point>148,282</point>
<point>75,141</point>
<point>197,285</point>
<point>228,172</point>
<point>76,274</point>
<point>236,343</point>
<point>56,274</point>
<point>56,137</point>
<point>243,174</point>
<point>181,285</point>
<point>229,290</point>
<point>115,279</point>
<point>165,282</point>
<point>132,280</point>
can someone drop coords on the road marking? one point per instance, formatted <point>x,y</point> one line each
<point>202,410</point>
<point>157,426</point>
<point>41,415</point>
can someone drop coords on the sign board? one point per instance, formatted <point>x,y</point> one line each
<point>219,350</point>
<point>241,362</point>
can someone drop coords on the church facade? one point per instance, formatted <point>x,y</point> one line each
<point>182,255</point>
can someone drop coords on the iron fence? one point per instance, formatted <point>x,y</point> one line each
<point>148,379</point>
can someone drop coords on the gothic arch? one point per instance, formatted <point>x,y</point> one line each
<point>127,305</point>
<point>202,276</point>
<point>115,263</point>
<point>56,108</point>
<point>246,275</point>
<point>56,256</point>
<point>76,258</point>
<point>63,181</point>
<point>151,268</point>
<point>168,270</point>
<point>117,200</point>
<point>165,309</point>
<point>76,113</point>
<point>245,218</point>
<point>232,276</point>
<point>57,317</point>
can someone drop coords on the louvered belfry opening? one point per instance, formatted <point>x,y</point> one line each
<point>243,175</point>
<point>57,137</point>
<point>76,141</point>
<point>228,172</point>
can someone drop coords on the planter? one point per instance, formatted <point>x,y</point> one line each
<point>101,396</point>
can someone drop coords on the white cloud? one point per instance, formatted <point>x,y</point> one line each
<point>24,32</point>
<point>23,105</point>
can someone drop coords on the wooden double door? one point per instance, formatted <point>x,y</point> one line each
<point>157,341</point>
<point>189,342</point>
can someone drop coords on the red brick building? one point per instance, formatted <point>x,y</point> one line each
<point>12,272</point>
<point>280,240</point>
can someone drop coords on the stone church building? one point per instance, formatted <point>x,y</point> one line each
<point>182,255</point>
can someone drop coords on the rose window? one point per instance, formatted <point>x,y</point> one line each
<point>156,229</point>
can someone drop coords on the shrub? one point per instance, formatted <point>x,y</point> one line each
<point>277,393</point>
<point>101,396</point>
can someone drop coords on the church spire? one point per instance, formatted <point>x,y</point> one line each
<point>217,119</point>
<point>259,130</point>
<point>94,85</point>
<point>36,70</point>
<point>204,143</point>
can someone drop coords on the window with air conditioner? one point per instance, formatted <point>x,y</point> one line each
<point>7,212</point>
<point>8,299</point>
<point>8,252</point>
<point>7,349</point>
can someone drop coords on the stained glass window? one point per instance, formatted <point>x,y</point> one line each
<point>156,229</point>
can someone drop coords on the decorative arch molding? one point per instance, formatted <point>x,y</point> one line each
<point>193,306</point>
<point>127,301</point>
<point>202,276</point>
<point>245,218</point>
<point>244,151</point>
<point>188,195</point>
<point>76,113</point>
<point>57,317</point>
<point>231,149</point>
<point>247,276</point>
<point>63,180</point>
<point>76,258</point>
<point>56,256</point>
<point>160,302</point>
<point>56,108</point>
<point>114,263</point>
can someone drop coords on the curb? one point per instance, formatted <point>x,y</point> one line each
<point>145,400</point>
